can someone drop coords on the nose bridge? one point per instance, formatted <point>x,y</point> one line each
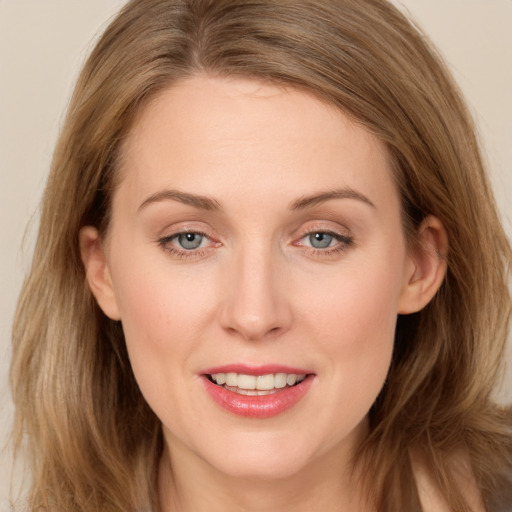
<point>257,304</point>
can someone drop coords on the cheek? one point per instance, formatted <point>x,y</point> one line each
<point>355,326</point>
<point>361,341</point>
<point>357,305</point>
<point>162,315</point>
<point>162,322</point>
<point>157,302</point>
<point>144,306</point>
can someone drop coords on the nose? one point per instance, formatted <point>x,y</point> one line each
<point>257,300</point>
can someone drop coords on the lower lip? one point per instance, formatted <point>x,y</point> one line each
<point>265,406</point>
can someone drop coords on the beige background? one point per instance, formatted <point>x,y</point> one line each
<point>44,42</point>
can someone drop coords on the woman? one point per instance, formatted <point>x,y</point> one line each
<point>269,272</point>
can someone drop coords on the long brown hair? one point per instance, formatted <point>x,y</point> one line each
<point>92,441</point>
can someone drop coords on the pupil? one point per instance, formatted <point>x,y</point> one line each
<point>320,240</point>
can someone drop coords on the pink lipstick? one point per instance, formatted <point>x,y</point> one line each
<point>256,391</point>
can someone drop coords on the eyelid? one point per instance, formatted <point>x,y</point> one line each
<point>323,227</point>
<point>187,227</point>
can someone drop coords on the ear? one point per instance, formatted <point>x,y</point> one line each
<point>97,272</point>
<point>426,266</point>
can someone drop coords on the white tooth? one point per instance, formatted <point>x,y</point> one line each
<point>300,378</point>
<point>280,380</point>
<point>291,379</point>
<point>246,381</point>
<point>265,382</point>
<point>232,379</point>
<point>219,378</point>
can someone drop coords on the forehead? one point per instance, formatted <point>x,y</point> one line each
<point>217,135</point>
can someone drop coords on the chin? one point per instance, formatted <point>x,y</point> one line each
<point>263,457</point>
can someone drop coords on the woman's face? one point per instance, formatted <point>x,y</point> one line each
<point>256,232</point>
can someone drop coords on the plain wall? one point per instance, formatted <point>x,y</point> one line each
<point>44,42</point>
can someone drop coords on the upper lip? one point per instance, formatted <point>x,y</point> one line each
<point>247,369</point>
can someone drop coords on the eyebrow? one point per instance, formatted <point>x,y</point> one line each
<point>321,197</point>
<point>210,204</point>
<point>201,202</point>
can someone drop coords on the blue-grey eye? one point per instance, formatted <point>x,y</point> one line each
<point>190,241</point>
<point>320,240</point>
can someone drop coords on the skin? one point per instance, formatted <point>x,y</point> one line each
<point>256,291</point>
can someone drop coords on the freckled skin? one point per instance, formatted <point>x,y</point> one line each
<point>256,291</point>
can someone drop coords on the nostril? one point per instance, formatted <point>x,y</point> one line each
<point>252,332</point>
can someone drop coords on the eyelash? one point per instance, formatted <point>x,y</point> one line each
<point>344,242</point>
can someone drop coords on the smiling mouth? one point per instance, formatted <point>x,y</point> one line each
<point>256,385</point>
